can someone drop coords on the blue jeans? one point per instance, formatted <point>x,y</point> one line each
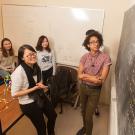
<point>3,73</point>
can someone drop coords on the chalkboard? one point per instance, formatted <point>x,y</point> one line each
<point>65,28</point>
<point>125,76</point>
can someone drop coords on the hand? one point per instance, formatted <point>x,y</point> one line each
<point>9,69</point>
<point>41,85</point>
<point>93,79</point>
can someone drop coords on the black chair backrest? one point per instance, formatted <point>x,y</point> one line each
<point>74,79</point>
<point>62,83</point>
<point>63,78</point>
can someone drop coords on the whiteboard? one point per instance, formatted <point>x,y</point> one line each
<point>65,28</point>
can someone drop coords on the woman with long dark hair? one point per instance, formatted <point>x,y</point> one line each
<point>27,86</point>
<point>6,57</point>
<point>45,58</point>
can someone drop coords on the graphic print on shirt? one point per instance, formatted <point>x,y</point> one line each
<point>45,58</point>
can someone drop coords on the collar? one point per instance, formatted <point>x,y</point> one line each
<point>96,54</point>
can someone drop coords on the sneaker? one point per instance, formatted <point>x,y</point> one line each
<point>97,113</point>
<point>81,131</point>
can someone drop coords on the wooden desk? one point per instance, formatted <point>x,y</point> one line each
<point>10,115</point>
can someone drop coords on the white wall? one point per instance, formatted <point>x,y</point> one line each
<point>1,29</point>
<point>131,3</point>
<point>113,127</point>
<point>114,12</point>
<point>113,16</point>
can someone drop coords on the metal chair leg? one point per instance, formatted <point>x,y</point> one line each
<point>76,101</point>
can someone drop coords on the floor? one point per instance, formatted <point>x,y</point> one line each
<point>67,123</point>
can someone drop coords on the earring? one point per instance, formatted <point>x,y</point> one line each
<point>88,45</point>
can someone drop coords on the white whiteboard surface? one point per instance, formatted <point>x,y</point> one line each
<point>65,28</point>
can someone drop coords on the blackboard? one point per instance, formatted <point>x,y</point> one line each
<point>125,76</point>
<point>65,27</point>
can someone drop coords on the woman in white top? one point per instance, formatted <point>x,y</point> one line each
<point>46,58</point>
<point>27,87</point>
<point>6,57</point>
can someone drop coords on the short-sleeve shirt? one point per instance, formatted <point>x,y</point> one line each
<point>19,82</point>
<point>93,64</point>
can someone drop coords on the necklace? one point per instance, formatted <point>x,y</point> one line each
<point>93,60</point>
<point>93,65</point>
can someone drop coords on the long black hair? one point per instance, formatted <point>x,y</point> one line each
<point>39,44</point>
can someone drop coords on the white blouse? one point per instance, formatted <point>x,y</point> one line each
<point>19,82</point>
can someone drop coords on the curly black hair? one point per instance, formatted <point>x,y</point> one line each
<point>93,34</point>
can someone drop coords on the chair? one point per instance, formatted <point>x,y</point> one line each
<point>62,86</point>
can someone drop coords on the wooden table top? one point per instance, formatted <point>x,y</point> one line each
<point>10,112</point>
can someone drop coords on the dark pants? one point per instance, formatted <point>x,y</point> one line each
<point>46,74</point>
<point>35,114</point>
<point>89,99</point>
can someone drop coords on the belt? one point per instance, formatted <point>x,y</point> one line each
<point>92,86</point>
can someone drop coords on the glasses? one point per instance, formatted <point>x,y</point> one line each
<point>93,42</point>
<point>31,55</point>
